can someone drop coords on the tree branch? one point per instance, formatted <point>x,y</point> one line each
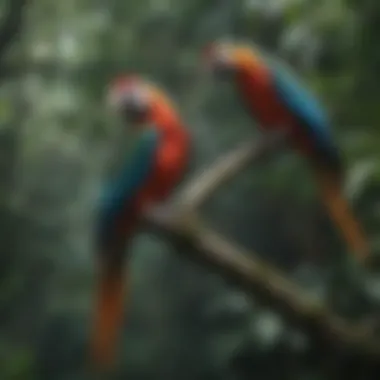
<point>181,224</point>
<point>204,184</point>
<point>246,270</point>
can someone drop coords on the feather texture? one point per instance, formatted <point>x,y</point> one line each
<point>108,314</point>
<point>121,191</point>
<point>306,109</point>
<point>117,222</point>
<point>341,213</point>
<point>148,176</point>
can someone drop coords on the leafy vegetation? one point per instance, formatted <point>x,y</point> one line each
<point>55,134</point>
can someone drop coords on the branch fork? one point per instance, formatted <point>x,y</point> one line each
<point>181,220</point>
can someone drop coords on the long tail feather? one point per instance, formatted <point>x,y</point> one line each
<point>108,317</point>
<point>341,213</point>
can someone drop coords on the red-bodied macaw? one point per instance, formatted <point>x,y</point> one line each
<point>278,101</point>
<point>154,170</point>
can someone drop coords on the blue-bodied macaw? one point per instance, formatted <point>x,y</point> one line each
<point>278,101</point>
<point>155,168</point>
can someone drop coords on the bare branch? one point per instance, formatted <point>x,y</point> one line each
<point>181,224</point>
<point>259,279</point>
<point>204,184</point>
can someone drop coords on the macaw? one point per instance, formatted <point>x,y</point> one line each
<point>278,101</point>
<point>147,179</point>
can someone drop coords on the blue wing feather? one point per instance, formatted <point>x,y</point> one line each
<point>304,106</point>
<point>123,189</point>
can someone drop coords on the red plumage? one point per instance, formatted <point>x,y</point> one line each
<point>276,101</point>
<point>169,165</point>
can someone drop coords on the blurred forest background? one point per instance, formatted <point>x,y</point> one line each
<point>186,322</point>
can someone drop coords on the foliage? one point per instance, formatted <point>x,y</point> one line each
<point>185,323</point>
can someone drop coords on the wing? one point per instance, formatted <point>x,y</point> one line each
<point>303,105</point>
<point>132,177</point>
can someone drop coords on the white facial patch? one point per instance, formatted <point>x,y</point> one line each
<point>134,97</point>
<point>223,56</point>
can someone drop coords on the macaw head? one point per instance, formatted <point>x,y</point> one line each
<point>227,59</point>
<point>129,97</point>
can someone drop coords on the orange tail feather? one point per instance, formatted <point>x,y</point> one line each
<point>341,213</point>
<point>108,317</point>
